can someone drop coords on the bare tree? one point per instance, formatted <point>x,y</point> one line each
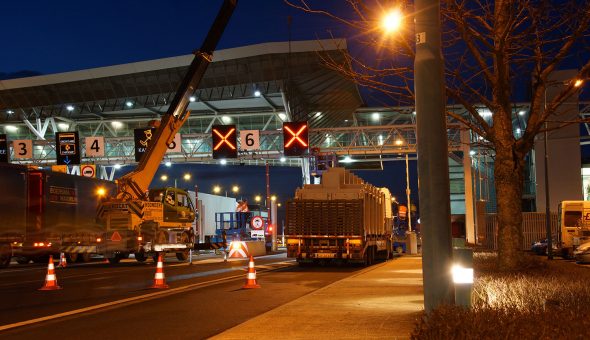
<point>488,47</point>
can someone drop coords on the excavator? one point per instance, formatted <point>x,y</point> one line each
<point>142,221</point>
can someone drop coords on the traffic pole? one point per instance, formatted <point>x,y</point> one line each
<point>433,163</point>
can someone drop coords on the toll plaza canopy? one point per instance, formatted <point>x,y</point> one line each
<point>286,80</point>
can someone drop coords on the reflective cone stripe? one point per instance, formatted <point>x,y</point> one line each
<point>50,278</point>
<point>251,277</point>
<point>159,279</point>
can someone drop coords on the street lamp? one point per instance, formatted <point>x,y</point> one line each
<point>257,198</point>
<point>273,198</point>
<point>217,189</point>
<point>577,83</point>
<point>235,189</point>
<point>392,21</point>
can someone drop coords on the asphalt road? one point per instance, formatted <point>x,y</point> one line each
<point>100,301</point>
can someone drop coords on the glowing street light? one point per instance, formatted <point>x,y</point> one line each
<point>257,198</point>
<point>217,189</point>
<point>164,177</point>
<point>235,189</point>
<point>392,21</point>
<point>273,198</point>
<point>187,177</point>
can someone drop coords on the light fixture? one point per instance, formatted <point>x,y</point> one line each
<point>235,188</point>
<point>70,108</point>
<point>273,198</point>
<point>347,159</point>
<point>164,177</point>
<point>217,189</point>
<point>187,177</point>
<point>399,142</point>
<point>462,275</point>
<point>518,131</point>
<point>318,114</point>
<point>223,162</point>
<point>117,166</point>
<point>578,83</point>
<point>10,112</point>
<point>257,93</point>
<point>380,140</point>
<point>521,112</point>
<point>472,152</point>
<point>10,128</point>
<point>128,103</point>
<point>168,163</point>
<point>257,198</point>
<point>283,159</point>
<point>100,191</point>
<point>63,126</point>
<point>282,116</point>
<point>192,99</point>
<point>375,116</point>
<point>226,119</point>
<point>116,124</point>
<point>414,112</point>
<point>392,20</point>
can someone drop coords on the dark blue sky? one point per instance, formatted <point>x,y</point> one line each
<point>65,35</point>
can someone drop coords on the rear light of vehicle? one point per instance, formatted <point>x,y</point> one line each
<point>140,238</point>
<point>98,240</point>
<point>42,244</point>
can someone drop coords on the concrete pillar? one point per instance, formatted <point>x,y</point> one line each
<point>469,211</point>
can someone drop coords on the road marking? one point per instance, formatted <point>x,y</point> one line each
<point>131,300</point>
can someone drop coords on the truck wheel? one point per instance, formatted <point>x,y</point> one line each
<point>5,255</point>
<point>22,260</point>
<point>183,256</point>
<point>84,257</point>
<point>114,260</point>
<point>42,259</point>
<point>140,256</point>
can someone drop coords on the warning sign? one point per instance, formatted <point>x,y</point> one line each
<point>88,170</point>
<point>257,222</point>
<point>116,237</point>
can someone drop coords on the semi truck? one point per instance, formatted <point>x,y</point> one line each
<point>341,219</point>
<point>146,221</point>
<point>46,213</point>
<point>573,220</point>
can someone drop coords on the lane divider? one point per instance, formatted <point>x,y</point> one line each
<point>128,301</point>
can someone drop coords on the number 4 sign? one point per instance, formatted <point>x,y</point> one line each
<point>249,140</point>
<point>94,146</point>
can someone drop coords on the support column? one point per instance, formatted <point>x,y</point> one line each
<point>469,212</point>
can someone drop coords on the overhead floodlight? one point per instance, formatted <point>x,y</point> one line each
<point>164,177</point>
<point>518,131</point>
<point>10,128</point>
<point>347,159</point>
<point>223,162</point>
<point>192,99</point>
<point>10,112</point>
<point>399,142</point>
<point>70,108</point>
<point>282,116</point>
<point>257,93</point>
<point>472,152</point>
<point>318,114</point>
<point>376,116</point>
<point>168,164</point>
<point>226,119</point>
<point>117,166</point>
<point>116,124</point>
<point>63,126</point>
<point>283,159</point>
<point>521,113</point>
<point>128,103</point>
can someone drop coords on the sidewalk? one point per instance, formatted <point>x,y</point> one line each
<point>382,301</point>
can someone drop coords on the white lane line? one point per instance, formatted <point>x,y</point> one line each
<point>127,301</point>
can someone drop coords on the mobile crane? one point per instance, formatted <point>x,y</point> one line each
<point>146,221</point>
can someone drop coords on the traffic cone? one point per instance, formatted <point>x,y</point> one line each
<point>159,280</point>
<point>251,277</point>
<point>50,279</point>
<point>62,260</point>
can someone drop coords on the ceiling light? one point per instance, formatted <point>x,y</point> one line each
<point>347,159</point>
<point>117,166</point>
<point>283,159</point>
<point>257,93</point>
<point>521,113</point>
<point>10,112</point>
<point>223,162</point>
<point>70,108</point>
<point>318,114</point>
<point>226,119</point>
<point>399,142</point>
<point>63,126</point>
<point>129,104</point>
<point>375,116</point>
<point>168,164</point>
<point>10,128</point>
<point>116,124</point>
<point>282,116</point>
<point>192,99</point>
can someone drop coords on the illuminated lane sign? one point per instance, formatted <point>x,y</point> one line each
<point>295,138</point>
<point>224,141</point>
<point>142,138</point>
<point>3,149</point>
<point>67,146</point>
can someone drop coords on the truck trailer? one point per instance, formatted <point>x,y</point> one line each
<point>341,219</point>
<point>45,213</point>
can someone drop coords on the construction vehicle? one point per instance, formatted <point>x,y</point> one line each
<point>45,213</point>
<point>341,219</point>
<point>147,221</point>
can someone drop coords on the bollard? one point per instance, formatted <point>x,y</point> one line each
<point>190,257</point>
<point>463,275</point>
<point>412,245</point>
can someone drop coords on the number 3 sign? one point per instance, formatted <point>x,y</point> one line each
<point>249,140</point>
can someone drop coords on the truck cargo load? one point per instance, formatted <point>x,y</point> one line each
<point>342,218</point>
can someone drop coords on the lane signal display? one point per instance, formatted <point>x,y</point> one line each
<point>295,138</point>
<point>224,141</point>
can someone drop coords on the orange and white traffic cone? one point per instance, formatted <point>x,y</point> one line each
<point>159,279</point>
<point>251,278</point>
<point>50,279</point>
<point>62,260</point>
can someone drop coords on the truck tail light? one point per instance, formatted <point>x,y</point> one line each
<point>140,238</point>
<point>98,240</point>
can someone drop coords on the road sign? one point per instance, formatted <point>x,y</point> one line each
<point>295,138</point>
<point>176,145</point>
<point>88,170</point>
<point>94,146</point>
<point>224,141</point>
<point>22,148</point>
<point>250,140</point>
<point>59,168</point>
<point>143,138</point>
<point>257,233</point>
<point>3,149</point>
<point>257,222</point>
<point>67,148</point>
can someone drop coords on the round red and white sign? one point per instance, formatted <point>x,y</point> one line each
<point>87,170</point>
<point>257,222</point>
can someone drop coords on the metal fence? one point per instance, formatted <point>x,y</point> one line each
<point>533,229</point>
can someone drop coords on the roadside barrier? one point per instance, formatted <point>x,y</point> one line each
<point>50,278</point>
<point>159,279</point>
<point>251,276</point>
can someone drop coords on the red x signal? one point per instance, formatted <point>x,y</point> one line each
<point>224,139</point>
<point>295,138</point>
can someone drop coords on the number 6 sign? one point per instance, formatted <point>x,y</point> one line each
<point>249,140</point>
